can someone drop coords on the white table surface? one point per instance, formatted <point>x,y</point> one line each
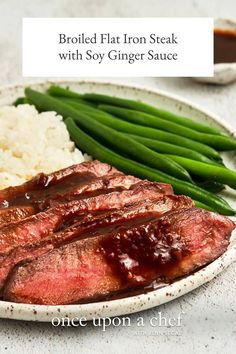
<point>209,320</point>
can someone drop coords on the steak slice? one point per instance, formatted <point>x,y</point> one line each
<point>44,198</point>
<point>42,187</point>
<point>75,182</point>
<point>93,268</point>
<point>93,225</point>
<point>88,189</point>
<point>41,181</point>
<point>40,225</point>
<point>12,214</point>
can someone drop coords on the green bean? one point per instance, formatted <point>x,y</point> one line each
<point>21,100</point>
<point>158,146</point>
<point>219,142</point>
<point>42,101</point>
<point>98,151</point>
<point>140,106</point>
<point>213,172</point>
<point>111,137</point>
<point>202,206</point>
<point>210,186</point>
<point>166,148</point>
<point>66,95</point>
<point>78,103</point>
<point>59,91</point>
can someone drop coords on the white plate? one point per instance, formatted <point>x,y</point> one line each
<point>153,298</point>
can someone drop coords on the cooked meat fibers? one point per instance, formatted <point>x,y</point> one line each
<point>75,186</point>
<point>96,186</point>
<point>40,225</point>
<point>44,198</point>
<point>13,214</point>
<point>171,246</point>
<point>93,225</point>
<point>37,192</point>
<point>42,181</point>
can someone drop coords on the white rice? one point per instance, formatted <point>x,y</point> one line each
<point>32,142</point>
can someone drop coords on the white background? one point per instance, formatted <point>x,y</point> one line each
<point>209,325</point>
<point>41,47</point>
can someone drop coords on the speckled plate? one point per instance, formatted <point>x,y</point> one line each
<point>153,298</point>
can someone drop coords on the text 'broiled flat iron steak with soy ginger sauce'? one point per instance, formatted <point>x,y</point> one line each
<point>93,268</point>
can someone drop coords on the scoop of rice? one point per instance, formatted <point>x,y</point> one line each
<point>32,142</point>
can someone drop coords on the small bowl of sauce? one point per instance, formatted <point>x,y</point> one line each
<point>224,53</point>
<point>224,46</point>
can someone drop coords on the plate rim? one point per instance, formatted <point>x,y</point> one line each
<point>132,304</point>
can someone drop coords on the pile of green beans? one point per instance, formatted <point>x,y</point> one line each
<point>102,135</point>
<point>124,144</point>
<point>98,99</point>
<point>143,107</point>
<point>91,146</point>
<point>151,133</point>
<point>219,142</point>
<point>129,128</point>
<point>168,148</point>
<point>156,145</point>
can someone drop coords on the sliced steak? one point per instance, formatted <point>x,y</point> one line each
<point>40,225</point>
<point>84,188</point>
<point>75,182</point>
<point>93,225</point>
<point>42,181</point>
<point>171,246</point>
<point>88,189</point>
<point>12,214</point>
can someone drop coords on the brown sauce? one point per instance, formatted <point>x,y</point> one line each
<point>143,253</point>
<point>224,46</point>
<point>108,225</point>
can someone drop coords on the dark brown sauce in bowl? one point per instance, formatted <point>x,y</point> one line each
<point>224,46</point>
